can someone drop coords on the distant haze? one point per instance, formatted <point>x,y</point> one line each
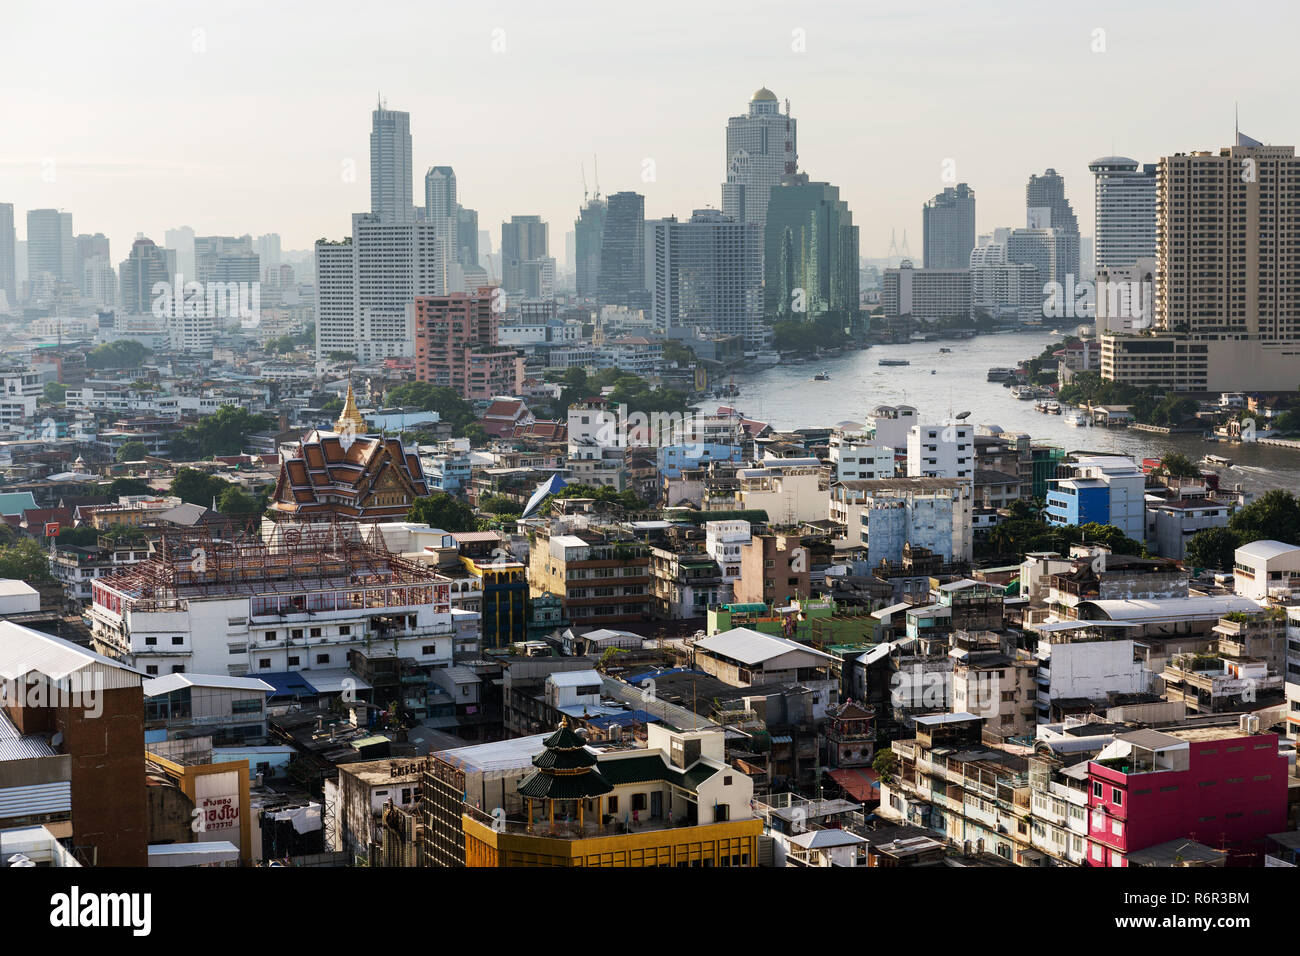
<point>238,116</point>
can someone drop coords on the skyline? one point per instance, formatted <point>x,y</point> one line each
<point>231,164</point>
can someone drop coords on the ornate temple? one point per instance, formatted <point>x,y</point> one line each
<point>347,473</point>
<point>566,777</point>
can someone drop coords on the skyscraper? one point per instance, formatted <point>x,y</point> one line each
<point>706,276</point>
<point>1125,198</point>
<point>589,233</point>
<point>140,271</point>
<point>365,286</point>
<point>1047,208</point>
<point>8,253</point>
<point>1227,294</point>
<point>390,165</point>
<point>948,228</point>
<point>761,150</point>
<point>523,238</point>
<point>50,249</point>
<point>810,257</point>
<point>440,193</point>
<point>467,237</point>
<point>181,241</point>
<point>622,252</point>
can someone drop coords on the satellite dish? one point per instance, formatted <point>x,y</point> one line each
<point>963,416</point>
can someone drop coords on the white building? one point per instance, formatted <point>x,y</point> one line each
<point>886,514</point>
<point>891,424</point>
<point>723,541</point>
<point>1125,204</point>
<point>1264,569</point>
<point>762,148</point>
<point>855,456</point>
<point>941,451</point>
<point>926,294</point>
<point>366,286</point>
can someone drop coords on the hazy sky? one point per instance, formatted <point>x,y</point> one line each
<point>240,116</point>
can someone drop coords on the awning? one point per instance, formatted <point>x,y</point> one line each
<point>860,783</point>
<point>193,854</point>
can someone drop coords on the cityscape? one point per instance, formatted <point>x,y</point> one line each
<point>788,518</point>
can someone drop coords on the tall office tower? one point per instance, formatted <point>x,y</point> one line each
<point>761,151</point>
<point>268,250</point>
<point>99,281</point>
<point>365,286</point>
<point>810,255</point>
<point>50,250</point>
<point>1000,288</point>
<point>1040,248</point>
<point>1227,293</point>
<point>440,193</point>
<point>467,234</point>
<point>225,259</point>
<point>705,276</point>
<point>8,254</point>
<point>140,271</point>
<point>948,228</point>
<point>1047,208</point>
<point>85,248</point>
<point>1125,198</point>
<point>588,234</point>
<point>622,253</point>
<point>523,238</point>
<point>440,209</point>
<point>390,165</point>
<point>181,241</point>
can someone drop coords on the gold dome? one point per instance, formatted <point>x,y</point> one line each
<point>763,93</point>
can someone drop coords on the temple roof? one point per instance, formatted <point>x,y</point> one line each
<point>566,769</point>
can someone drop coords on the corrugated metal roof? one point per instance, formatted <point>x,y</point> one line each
<point>36,800</point>
<point>16,746</point>
<point>170,682</point>
<point>752,647</point>
<point>23,650</point>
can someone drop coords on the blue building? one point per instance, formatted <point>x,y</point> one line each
<point>1078,501</point>
<point>673,459</point>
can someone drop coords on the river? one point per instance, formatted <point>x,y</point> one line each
<point>943,384</point>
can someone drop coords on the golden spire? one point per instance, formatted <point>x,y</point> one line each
<point>350,421</point>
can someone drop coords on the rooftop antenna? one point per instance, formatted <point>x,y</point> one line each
<point>584,182</point>
<point>596,165</point>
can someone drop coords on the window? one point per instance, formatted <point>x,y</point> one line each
<point>150,641</point>
<point>293,661</point>
<point>1096,791</point>
<point>429,649</point>
<point>177,640</point>
<point>612,802</point>
<point>1117,795</point>
<point>151,669</point>
<point>270,635</point>
<point>264,663</point>
<point>345,630</point>
<point>322,658</point>
<point>315,632</point>
<point>296,634</point>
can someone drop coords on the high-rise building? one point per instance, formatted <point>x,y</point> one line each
<point>140,271</point>
<point>928,295</point>
<point>50,248</point>
<point>457,346</point>
<point>365,286</point>
<point>268,250</point>
<point>8,254</point>
<point>622,252</point>
<point>1125,229</point>
<point>1000,288</point>
<point>523,238</point>
<point>948,228</point>
<point>181,241</point>
<point>440,193</point>
<point>589,233</point>
<point>92,251</point>
<point>705,276</point>
<point>226,259</point>
<point>761,151</point>
<point>1227,293</point>
<point>1047,208</point>
<point>467,233</point>
<point>810,256</point>
<point>390,165</point>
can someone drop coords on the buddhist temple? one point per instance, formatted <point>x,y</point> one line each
<point>347,473</point>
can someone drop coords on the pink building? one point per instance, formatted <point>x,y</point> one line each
<point>456,346</point>
<point>1218,786</point>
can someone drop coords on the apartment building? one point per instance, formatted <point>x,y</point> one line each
<point>603,577</point>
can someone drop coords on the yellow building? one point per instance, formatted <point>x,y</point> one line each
<point>673,803</point>
<point>219,791</point>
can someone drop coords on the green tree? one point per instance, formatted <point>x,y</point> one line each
<point>55,392</point>
<point>451,408</point>
<point>1213,548</point>
<point>235,501</point>
<point>223,433</point>
<point>25,561</point>
<point>197,487</point>
<point>1178,465</point>
<point>499,504</point>
<point>127,486</point>
<point>1275,515</point>
<point>124,353</point>
<point>885,765</point>
<point>444,512</point>
<point>1109,536</point>
<point>132,451</point>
